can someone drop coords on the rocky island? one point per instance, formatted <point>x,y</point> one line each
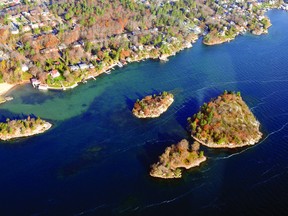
<point>181,155</point>
<point>225,122</point>
<point>22,128</point>
<point>153,106</point>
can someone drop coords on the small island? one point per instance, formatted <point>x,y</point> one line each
<point>225,122</point>
<point>181,155</point>
<point>153,106</point>
<point>22,128</point>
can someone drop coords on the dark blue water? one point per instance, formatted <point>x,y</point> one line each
<point>95,160</point>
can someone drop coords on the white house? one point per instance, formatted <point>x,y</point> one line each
<point>74,67</point>
<point>24,68</point>
<point>83,66</point>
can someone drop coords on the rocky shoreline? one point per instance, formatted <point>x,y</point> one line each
<point>229,145</point>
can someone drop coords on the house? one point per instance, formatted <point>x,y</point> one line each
<point>35,82</point>
<point>196,30</point>
<point>26,28</point>
<point>91,66</point>
<point>74,67</point>
<point>7,2</point>
<point>14,29</point>
<point>94,57</point>
<point>83,66</point>
<point>62,46</point>
<point>24,68</point>
<point>34,25</point>
<point>141,47</point>
<point>76,45</point>
<point>54,73</point>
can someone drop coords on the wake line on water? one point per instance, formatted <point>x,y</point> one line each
<point>88,211</point>
<point>257,106</point>
<point>266,98</point>
<point>237,82</point>
<point>165,201</point>
<point>269,179</point>
<point>270,134</point>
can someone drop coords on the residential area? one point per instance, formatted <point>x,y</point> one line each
<point>57,44</point>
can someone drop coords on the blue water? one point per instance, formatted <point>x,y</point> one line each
<point>95,160</point>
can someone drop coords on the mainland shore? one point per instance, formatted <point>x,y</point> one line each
<point>5,87</point>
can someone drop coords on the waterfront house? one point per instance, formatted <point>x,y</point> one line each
<point>83,66</point>
<point>54,73</point>
<point>35,82</point>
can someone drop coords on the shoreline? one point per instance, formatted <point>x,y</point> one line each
<point>229,145</point>
<point>160,56</point>
<point>5,88</point>
<point>146,56</point>
<point>196,163</point>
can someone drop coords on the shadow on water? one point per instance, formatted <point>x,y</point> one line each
<point>6,114</point>
<point>153,149</point>
<point>189,109</point>
<point>129,102</point>
<point>36,98</point>
<point>89,156</point>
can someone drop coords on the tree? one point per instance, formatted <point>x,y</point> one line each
<point>183,145</point>
<point>195,146</point>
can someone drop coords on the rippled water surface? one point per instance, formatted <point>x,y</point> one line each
<point>95,160</point>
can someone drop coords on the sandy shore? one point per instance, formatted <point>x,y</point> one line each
<point>5,87</point>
